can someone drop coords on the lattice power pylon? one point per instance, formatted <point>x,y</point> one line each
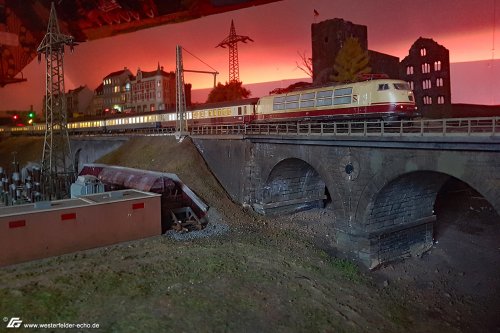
<point>57,170</point>
<point>231,41</point>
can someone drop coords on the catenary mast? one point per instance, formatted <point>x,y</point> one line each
<point>57,169</point>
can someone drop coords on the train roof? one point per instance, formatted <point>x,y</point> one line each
<point>333,85</point>
<point>246,101</point>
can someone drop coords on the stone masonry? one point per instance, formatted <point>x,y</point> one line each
<point>382,192</point>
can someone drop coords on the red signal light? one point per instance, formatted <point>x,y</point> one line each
<point>15,117</point>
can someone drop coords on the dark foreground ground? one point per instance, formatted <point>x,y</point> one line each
<point>252,274</point>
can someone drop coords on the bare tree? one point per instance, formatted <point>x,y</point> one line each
<point>305,64</point>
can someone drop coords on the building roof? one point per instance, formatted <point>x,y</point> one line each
<point>77,90</point>
<point>119,73</point>
<point>99,88</point>
<point>159,71</point>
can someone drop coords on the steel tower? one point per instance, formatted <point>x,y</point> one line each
<point>57,170</point>
<point>231,41</point>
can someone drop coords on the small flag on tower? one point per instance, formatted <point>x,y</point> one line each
<point>316,13</point>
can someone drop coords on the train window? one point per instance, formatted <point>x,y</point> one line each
<point>307,104</point>
<point>402,86</point>
<point>383,86</point>
<point>324,94</point>
<point>239,110</point>
<point>280,99</point>
<point>292,98</point>
<point>323,102</point>
<point>280,106</point>
<point>292,105</point>
<point>307,96</point>
<point>343,92</point>
<point>342,100</point>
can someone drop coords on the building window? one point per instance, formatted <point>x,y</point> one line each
<point>426,68</point>
<point>426,84</point>
<point>152,107</point>
<point>427,100</point>
<point>437,65</point>
<point>409,70</point>
<point>423,52</point>
<point>411,85</point>
<point>440,99</point>
<point>439,82</point>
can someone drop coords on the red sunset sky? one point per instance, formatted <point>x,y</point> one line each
<point>280,30</point>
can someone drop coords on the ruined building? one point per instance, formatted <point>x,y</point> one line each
<point>427,69</point>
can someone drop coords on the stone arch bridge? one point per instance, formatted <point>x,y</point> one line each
<point>381,190</point>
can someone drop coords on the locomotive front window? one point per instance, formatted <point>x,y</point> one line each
<point>402,86</point>
<point>383,86</point>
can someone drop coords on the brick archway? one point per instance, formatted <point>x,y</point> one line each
<point>292,185</point>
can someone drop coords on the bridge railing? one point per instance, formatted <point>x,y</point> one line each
<point>423,127</point>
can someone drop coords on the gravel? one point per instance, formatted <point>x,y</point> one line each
<point>215,227</point>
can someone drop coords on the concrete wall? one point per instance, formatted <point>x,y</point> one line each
<point>382,193</point>
<point>28,232</point>
<point>89,149</point>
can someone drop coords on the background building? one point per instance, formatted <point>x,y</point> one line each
<point>427,70</point>
<point>153,91</point>
<point>97,105</point>
<point>78,101</point>
<point>116,90</point>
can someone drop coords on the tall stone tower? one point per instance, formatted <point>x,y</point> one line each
<point>327,39</point>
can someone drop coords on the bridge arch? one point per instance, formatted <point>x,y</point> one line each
<point>407,197</point>
<point>292,185</point>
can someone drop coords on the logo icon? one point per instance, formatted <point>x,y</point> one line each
<point>14,322</point>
